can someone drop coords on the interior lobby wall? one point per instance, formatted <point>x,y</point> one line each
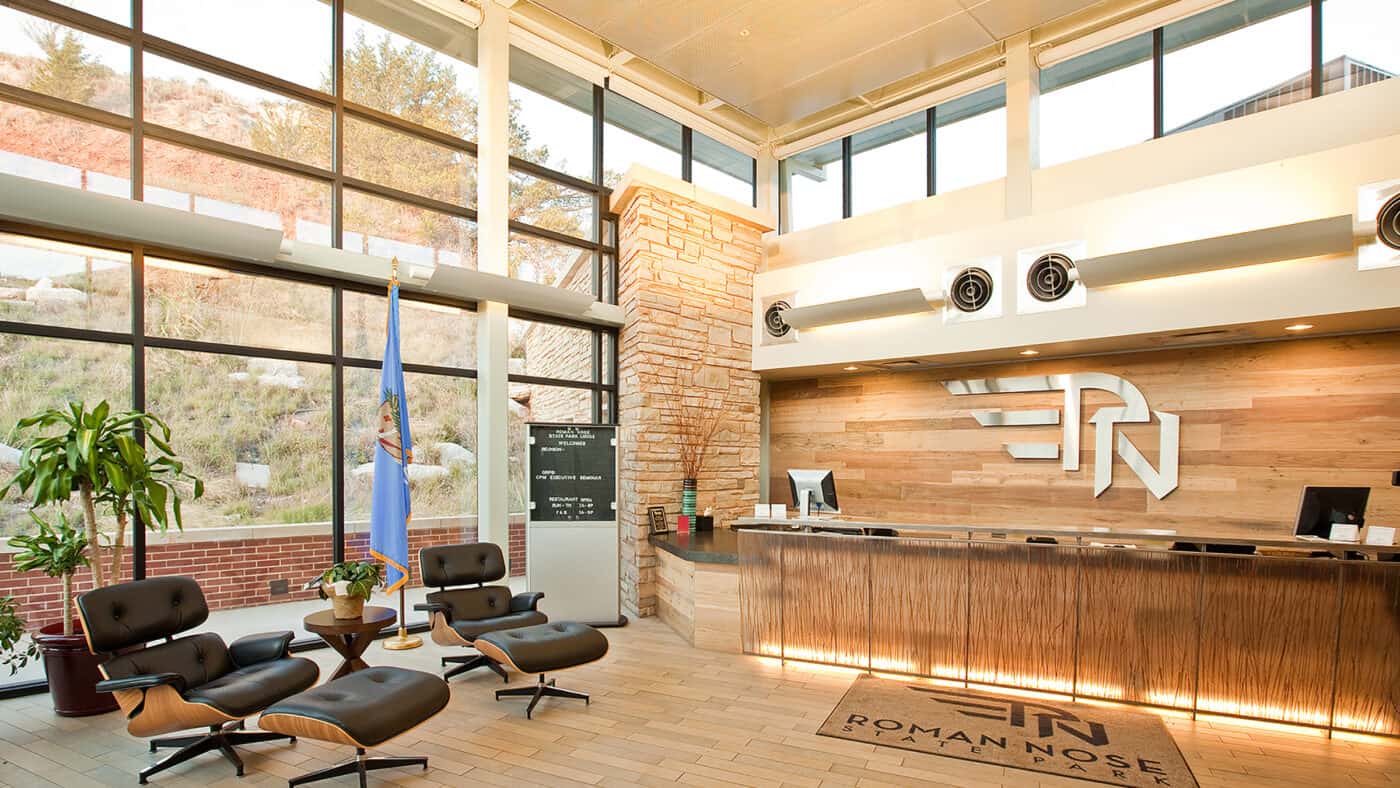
<point>1257,423</point>
<point>686,284</point>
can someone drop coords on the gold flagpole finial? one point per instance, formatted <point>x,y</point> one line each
<point>394,273</point>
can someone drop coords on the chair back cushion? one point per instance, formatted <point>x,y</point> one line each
<point>474,604</point>
<point>199,658</point>
<point>461,564</point>
<point>131,614</point>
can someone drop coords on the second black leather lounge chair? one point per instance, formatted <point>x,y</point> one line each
<point>186,682</point>
<point>460,615</point>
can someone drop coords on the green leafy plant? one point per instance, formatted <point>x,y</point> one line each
<point>362,578</point>
<point>57,552</point>
<point>100,456</point>
<point>15,652</point>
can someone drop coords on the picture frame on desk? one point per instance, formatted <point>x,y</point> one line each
<point>656,518</point>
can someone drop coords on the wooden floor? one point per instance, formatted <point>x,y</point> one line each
<point>662,713</point>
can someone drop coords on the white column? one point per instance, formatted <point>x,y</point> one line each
<point>768,182</point>
<point>493,237</point>
<point>1022,124</point>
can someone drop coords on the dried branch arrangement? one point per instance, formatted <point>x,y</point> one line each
<point>697,420</point>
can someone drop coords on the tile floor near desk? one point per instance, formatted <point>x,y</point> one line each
<point>662,713</point>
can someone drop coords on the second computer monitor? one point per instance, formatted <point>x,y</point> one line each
<point>821,487</point>
<point>1323,506</point>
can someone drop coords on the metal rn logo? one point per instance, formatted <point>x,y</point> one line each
<point>1134,410</point>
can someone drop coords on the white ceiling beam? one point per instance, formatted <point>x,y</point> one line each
<point>1122,31</point>
<point>894,111</point>
<point>620,57</point>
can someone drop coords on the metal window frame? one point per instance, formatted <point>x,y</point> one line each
<point>602,245</point>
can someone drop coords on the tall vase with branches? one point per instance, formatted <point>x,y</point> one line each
<point>697,421</point>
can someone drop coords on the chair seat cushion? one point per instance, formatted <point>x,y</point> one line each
<point>547,647</point>
<point>471,629</point>
<point>244,691</point>
<point>370,706</point>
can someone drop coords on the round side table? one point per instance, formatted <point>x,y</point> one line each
<point>350,636</point>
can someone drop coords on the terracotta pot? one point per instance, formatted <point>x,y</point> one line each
<point>72,672</point>
<point>347,606</point>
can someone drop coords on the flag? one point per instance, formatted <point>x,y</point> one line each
<point>393,451</point>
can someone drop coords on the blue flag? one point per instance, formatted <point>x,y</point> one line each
<point>393,451</point>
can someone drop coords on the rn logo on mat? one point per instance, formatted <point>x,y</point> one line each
<point>1116,746</point>
<point>1160,481</point>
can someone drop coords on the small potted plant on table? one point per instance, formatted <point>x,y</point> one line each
<point>348,585</point>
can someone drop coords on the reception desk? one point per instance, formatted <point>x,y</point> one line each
<point>1289,638</point>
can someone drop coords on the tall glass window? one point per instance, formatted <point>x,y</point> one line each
<point>721,169</point>
<point>812,183</point>
<point>406,60</point>
<point>633,134</point>
<point>970,139</point>
<point>1097,102</point>
<point>179,96</point>
<point>288,39</point>
<point>888,164</point>
<point>56,60</point>
<point>1359,45</point>
<point>1235,60</point>
<point>551,116</point>
<point>58,149</point>
<point>243,362</point>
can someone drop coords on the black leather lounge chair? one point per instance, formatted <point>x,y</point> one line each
<point>460,615</point>
<point>186,682</point>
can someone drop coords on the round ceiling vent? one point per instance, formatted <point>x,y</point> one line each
<point>1388,222</point>
<point>1049,277</point>
<point>971,289</point>
<point>773,319</point>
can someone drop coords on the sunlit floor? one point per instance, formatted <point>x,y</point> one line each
<point>661,713</point>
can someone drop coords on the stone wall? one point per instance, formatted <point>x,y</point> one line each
<point>687,261</point>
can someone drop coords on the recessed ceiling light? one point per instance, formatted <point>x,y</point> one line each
<point>744,32</point>
<point>851,368</point>
<point>1298,327</point>
<point>1029,352</point>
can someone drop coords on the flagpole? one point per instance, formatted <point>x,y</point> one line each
<point>402,641</point>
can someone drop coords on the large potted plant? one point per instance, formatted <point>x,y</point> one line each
<point>118,465</point>
<point>348,585</point>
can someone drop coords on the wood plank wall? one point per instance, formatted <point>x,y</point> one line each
<point>1258,422</point>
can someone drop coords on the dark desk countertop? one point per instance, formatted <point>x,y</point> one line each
<point>720,546</point>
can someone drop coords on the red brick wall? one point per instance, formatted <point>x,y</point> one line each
<point>237,572</point>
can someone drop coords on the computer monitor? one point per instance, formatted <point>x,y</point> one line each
<point>1323,506</point>
<point>821,486</point>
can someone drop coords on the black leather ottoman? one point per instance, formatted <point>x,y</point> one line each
<point>364,709</point>
<point>544,648</point>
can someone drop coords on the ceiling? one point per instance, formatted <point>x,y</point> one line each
<point>782,60</point>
